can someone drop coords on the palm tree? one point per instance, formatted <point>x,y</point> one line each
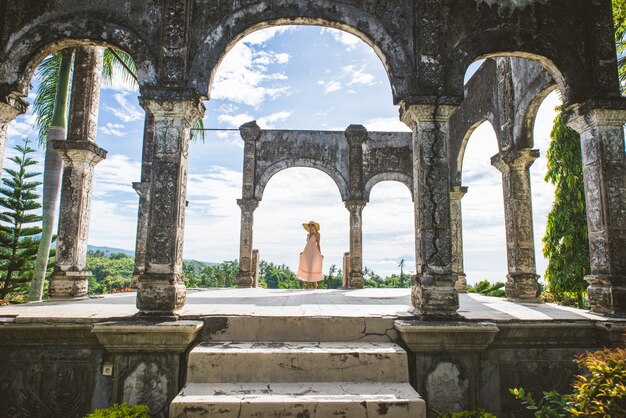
<point>401,265</point>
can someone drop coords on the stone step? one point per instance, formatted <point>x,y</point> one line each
<point>308,399</point>
<point>297,362</point>
<point>299,328</point>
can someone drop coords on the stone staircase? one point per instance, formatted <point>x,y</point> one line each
<point>297,379</point>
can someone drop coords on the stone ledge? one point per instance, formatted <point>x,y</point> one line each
<point>446,335</point>
<point>143,336</point>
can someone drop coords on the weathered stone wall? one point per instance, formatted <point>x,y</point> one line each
<point>425,45</point>
<point>387,156</point>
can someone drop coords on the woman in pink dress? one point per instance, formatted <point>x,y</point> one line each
<point>311,259</point>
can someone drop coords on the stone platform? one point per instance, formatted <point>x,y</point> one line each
<point>100,353</point>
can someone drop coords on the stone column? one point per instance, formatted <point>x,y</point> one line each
<point>514,165</point>
<point>250,133</point>
<point>143,190</point>
<point>10,108</point>
<point>355,274</point>
<point>245,277</point>
<point>604,167</point>
<point>80,155</point>
<point>161,286</point>
<point>434,294</point>
<point>456,217</point>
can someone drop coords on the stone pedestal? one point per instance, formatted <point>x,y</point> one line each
<point>514,165</point>
<point>354,276</point>
<point>147,360</point>
<point>434,294</point>
<point>69,279</point>
<point>245,277</point>
<point>161,286</point>
<point>456,217</point>
<point>604,168</point>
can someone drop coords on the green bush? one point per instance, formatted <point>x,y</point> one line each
<point>488,289</point>
<point>599,392</point>
<point>477,413</point>
<point>121,411</point>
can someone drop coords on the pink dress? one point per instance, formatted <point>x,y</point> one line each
<point>310,268</point>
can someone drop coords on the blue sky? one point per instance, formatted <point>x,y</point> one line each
<point>302,77</point>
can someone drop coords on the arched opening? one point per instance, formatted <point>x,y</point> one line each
<point>278,230</point>
<point>285,77</point>
<point>110,205</point>
<point>484,238</point>
<point>389,236</point>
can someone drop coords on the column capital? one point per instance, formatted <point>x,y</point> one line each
<point>248,205</point>
<point>520,159</point>
<point>356,134</point>
<point>79,151</point>
<point>457,192</point>
<point>413,114</point>
<point>355,205</point>
<point>582,120</point>
<point>250,131</point>
<point>142,188</point>
<point>168,104</point>
<point>11,106</point>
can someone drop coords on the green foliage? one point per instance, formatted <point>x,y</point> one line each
<point>566,244</point>
<point>486,288</point>
<point>601,390</point>
<point>552,405</point>
<point>111,273</point>
<point>122,410</point>
<point>619,19</point>
<point>476,413</point>
<point>18,242</point>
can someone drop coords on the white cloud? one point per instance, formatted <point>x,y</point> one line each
<point>347,39</point>
<point>358,76</point>
<point>392,124</point>
<point>113,129</point>
<point>126,111</point>
<point>260,37</point>
<point>329,86</point>
<point>235,120</point>
<point>267,122</point>
<point>119,82</point>
<point>116,174</point>
<point>244,76</point>
<point>24,126</point>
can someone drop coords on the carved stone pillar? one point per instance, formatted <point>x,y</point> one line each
<point>80,155</point>
<point>245,277</point>
<point>354,277</point>
<point>356,135</point>
<point>69,279</point>
<point>250,133</point>
<point>434,294</point>
<point>514,165</point>
<point>456,217</point>
<point>10,108</point>
<point>604,167</point>
<point>161,286</point>
<point>143,190</point>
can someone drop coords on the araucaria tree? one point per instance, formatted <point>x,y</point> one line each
<point>18,245</point>
<point>566,243</point>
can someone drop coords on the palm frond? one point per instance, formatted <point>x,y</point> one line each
<point>48,76</point>
<point>116,60</point>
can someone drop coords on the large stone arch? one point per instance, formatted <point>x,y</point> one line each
<point>271,171</point>
<point>390,45</point>
<point>584,67</point>
<point>50,33</point>
<point>389,176</point>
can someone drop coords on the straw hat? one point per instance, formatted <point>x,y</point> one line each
<point>311,224</point>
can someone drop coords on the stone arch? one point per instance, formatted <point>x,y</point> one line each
<point>30,47</point>
<point>457,158</point>
<point>389,176</point>
<point>558,59</point>
<point>220,38</point>
<point>526,119</point>
<point>274,169</point>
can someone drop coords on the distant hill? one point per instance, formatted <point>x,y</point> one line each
<point>112,250</point>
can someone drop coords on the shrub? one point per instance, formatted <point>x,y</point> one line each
<point>488,289</point>
<point>122,410</point>
<point>477,413</point>
<point>601,391</point>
